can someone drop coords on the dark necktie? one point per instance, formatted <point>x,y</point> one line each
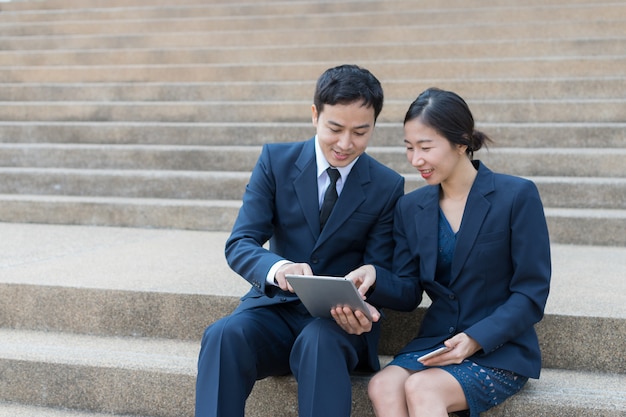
<point>330,197</point>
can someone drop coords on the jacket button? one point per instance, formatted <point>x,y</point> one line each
<point>451,296</point>
<point>451,330</point>
<point>314,260</point>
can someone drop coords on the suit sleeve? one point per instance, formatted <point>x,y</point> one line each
<point>254,226</point>
<point>401,290</point>
<point>379,248</point>
<point>529,285</point>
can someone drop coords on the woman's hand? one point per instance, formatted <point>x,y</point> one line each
<point>461,347</point>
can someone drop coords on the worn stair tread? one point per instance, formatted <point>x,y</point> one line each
<point>560,162</point>
<point>9,409</point>
<point>176,361</point>
<point>163,355</point>
<point>406,88</point>
<point>611,110</point>
<point>572,66</point>
<point>587,280</point>
<point>387,50</point>
<point>539,135</point>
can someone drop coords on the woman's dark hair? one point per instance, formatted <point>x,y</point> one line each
<point>448,114</point>
<point>347,84</point>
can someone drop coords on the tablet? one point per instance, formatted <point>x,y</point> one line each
<point>320,294</point>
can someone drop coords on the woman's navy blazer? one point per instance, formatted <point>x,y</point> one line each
<point>500,270</point>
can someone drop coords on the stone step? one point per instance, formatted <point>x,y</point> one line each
<point>230,6</point>
<point>518,135</point>
<point>528,67</point>
<point>180,316</point>
<point>580,192</point>
<point>296,20</point>
<point>214,215</point>
<point>144,283</point>
<point>567,226</point>
<point>405,89</point>
<point>561,162</point>
<point>8,409</point>
<point>521,111</point>
<point>303,35</point>
<point>272,16</point>
<point>157,378</point>
<point>383,51</point>
<point>170,284</point>
<point>108,320</point>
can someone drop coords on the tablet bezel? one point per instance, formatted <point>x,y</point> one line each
<point>320,294</point>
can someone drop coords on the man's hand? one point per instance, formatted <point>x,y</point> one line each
<point>363,278</point>
<point>354,322</point>
<point>292,269</point>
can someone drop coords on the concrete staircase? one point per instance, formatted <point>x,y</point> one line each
<point>128,129</point>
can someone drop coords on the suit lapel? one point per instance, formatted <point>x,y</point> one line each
<point>476,210</point>
<point>305,187</point>
<point>427,224</point>
<point>351,197</point>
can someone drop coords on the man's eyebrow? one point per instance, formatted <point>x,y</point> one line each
<point>366,125</point>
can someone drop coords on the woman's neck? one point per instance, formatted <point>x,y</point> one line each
<point>457,187</point>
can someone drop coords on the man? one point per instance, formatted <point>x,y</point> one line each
<point>270,332</point>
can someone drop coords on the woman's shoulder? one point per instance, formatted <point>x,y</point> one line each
<point>420,195</point>
<point>503,181</point>
<point>513,183</point>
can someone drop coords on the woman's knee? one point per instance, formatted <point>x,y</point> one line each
<point>376,388</point>
<point>386,385</point>
<point>434,389</point>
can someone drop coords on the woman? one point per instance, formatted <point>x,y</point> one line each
<point>477,243</point>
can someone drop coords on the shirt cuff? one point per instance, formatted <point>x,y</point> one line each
<point>272,272</point>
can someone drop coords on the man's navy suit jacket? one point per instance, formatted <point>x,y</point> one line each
<point>500,270</point>
<point>280,205</point>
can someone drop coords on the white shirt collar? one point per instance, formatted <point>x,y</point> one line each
<point>322,163</point>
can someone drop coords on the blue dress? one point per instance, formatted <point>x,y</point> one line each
<point>484,387</point>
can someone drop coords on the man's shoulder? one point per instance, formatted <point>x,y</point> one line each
<point>283,146</point>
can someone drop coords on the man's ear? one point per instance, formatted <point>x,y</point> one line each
<point>314,114</point>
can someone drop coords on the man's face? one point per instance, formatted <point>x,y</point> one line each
<point>343,131</point>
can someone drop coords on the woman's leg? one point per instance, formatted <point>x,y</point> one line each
<point>433,392</point>
<point>386,391</point>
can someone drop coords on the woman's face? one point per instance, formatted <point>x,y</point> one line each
<point>433,155</point>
